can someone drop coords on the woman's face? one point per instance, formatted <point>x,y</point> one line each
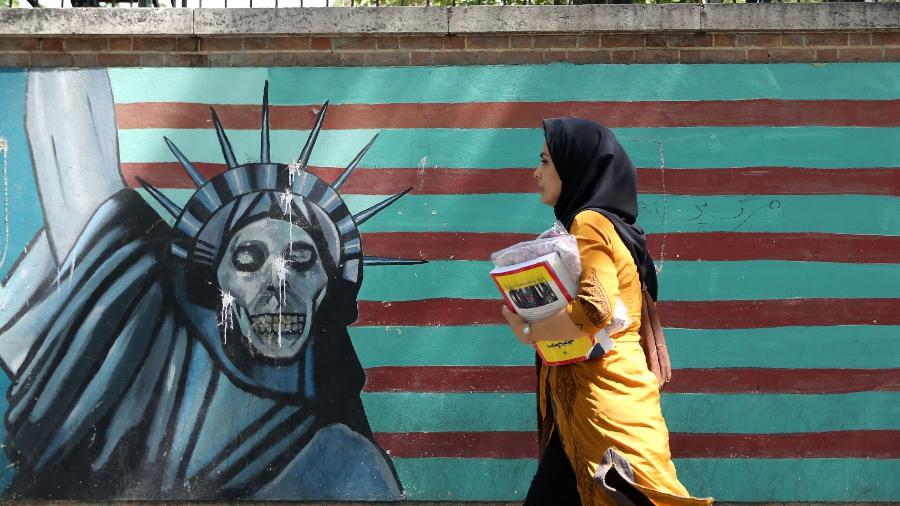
<point>547,179</point>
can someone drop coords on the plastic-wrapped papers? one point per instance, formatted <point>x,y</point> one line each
<point>557,239</point>
<point>620,320</point>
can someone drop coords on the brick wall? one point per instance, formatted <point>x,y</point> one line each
<point>381,50</point>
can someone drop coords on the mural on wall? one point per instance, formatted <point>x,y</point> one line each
<point>209,359</point>
<point>140,335</point>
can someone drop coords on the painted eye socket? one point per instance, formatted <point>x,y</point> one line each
<point>249,256</point>
<point>300,256</point>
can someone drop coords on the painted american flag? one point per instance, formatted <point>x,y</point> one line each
<point>770,195</point>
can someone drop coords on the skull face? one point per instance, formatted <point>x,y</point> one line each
<point>275,275</point>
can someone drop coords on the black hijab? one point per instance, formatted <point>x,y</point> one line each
<point>597,174</point>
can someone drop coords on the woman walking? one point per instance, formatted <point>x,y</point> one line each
<point>604,440</point>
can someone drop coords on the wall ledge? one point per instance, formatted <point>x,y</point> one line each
<point>646,18</point>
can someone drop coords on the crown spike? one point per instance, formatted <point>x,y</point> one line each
<point>264,152</point>
<point>223,141</point>
<point>364,216</point>
<point>349,170</point>
<point>192,171</point>
<point>170,206</point>
<point>391,261</point>
<point>303,161</point>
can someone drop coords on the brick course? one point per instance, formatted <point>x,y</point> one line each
<point>486,49</point>
<point>118,60</point>
<point>487,41</point>
<point>125,44</point>
<point>652,55</point>
<point>57,44</point>
<point>8,44</point>
<point>622,40</point>
<point>86,44</point>
<point>152,44</point>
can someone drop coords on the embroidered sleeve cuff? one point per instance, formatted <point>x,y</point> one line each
<point>579,317</point>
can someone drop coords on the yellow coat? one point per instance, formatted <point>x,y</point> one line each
<point>611,402</point>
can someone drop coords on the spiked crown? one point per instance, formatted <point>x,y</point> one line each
<point>215,208</point>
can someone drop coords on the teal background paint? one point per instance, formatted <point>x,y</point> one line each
<point>846,346</point>
<point>827,480</point>
<point>842,346</point>
<point>837,214</point>
<point>529,83</point>
<point>695,413</point>
<point>484,345</point>
<point>745,280</point>
<point>686,147</point>
<point>25,215</point>
<point>442,479</point>
<point>751,480</point>
<point>787,348</point>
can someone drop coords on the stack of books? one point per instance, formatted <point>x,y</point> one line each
<point>538,288</point>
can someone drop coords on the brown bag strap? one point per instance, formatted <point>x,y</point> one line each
<point>653,340</point>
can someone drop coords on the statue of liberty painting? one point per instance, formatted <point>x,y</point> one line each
<point>209,359</point>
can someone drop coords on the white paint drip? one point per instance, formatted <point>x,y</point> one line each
<point>226,318</point>
<point>658,263</point>
<point>665,195</point>
<point>4,148</point>
<point>284,200</point>
<point>287,200</point>
<point>280,271</point>
<point>281,266</point>
<point>293,169</point>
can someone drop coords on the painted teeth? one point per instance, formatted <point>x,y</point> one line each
<point>274,323</point>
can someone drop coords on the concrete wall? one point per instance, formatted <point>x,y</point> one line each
<point>769,189</point>
<point>772,33</point>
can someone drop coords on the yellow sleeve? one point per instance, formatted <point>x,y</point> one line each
<point>598,287</point>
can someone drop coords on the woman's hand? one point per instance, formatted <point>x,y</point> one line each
<point>553,328</point>
<point>517,324</point>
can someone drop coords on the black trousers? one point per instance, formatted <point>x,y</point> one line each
<point>554,483</point>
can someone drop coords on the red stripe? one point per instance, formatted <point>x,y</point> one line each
<point>783,381</point>
<point>707,246</point>
<point>674,314</point>
<point>868,444</point>
<point>450,379</point>
<point>466,445</point>
<point>708,381</point>
<point>872,444</point>
<point>763,112</point>
<point>770,181</point>
<point>439,245</point>
<point>779,313</point>
<point>436,181</point>
<point>806,247</point>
